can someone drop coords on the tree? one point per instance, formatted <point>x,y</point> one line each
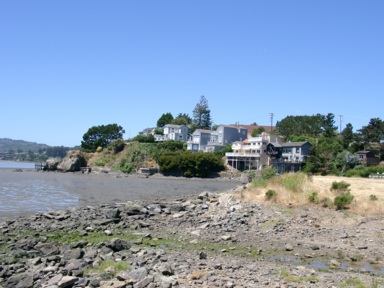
<point>202,114</point>
<point>347,135</point>
<point>257,131</point>
<point>101,136</point>
<point>374,131</point>
<point>165,119</point>
<point>182,119</point>
<point>329,127</point>
<point>315,125</point>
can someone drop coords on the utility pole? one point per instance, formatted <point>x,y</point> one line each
<point>340,122</point>
<point>271,118</point>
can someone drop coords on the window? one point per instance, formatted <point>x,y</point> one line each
<point>297,149</point>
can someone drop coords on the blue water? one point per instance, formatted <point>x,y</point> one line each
<point>16,165</point>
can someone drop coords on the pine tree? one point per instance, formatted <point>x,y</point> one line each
<point>202,114</point>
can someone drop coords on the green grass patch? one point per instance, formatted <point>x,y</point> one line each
<point>353,283</point>
<point>108,268</point>
<point>291,278</point>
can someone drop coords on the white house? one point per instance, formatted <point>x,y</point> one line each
<point>248,154</point>
<point>173,132</point>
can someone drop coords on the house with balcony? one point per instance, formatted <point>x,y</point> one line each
<point>289,156</point>
<point>199,140</point>
<point>173,132</point>
<point>248,154</point>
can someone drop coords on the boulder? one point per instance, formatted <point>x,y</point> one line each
<point>51,164</point>
<point>72,162</point>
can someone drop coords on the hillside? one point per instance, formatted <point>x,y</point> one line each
<point>7,144</point>
<point>20,150</point>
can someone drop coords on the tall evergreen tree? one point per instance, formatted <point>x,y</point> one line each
<point>347,135</point>
<point>202,114</point>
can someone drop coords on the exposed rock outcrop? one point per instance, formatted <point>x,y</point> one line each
<point>72,162</point>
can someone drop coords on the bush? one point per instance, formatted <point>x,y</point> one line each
<point>190,164</point>
<point>326,202</point>
<point>144,138</point>
<point>340,186</point>
<point>270,194</point>
<point>268,173</point>
<point>343,200</point>
<point>117,146</point>
<point>313,197</point>
<point>362,171</point>
<point>373,197</point>
<point>126,167</point>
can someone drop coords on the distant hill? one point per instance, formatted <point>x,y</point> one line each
<point>20,150</point>
<point>7,144</point>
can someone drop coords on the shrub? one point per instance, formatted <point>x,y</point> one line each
<point>270,194</point>
<point>190,164</point>
<point>340,186</point>
<point>326,202</point>
<point>268,173</point>
<point>362,171</point>
<point>117,146</point>
<point>126,167</point>
<point>343,200</point>
<point>313,197</point>
<point>373,197</point>
<point>101,162</point>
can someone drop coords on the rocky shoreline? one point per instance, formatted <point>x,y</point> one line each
<point>208,240</point>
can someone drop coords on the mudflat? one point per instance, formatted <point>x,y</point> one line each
<point>30,191</point>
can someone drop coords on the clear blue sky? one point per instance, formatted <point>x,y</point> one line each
<point>68,65</point>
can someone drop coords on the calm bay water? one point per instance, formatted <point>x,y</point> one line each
<point>16,165</point>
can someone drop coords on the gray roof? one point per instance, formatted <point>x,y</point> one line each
<point>174,126</point>
<point>290,144</point>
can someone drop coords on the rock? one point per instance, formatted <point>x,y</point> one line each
<point>47,249</point>
<point>134,275</point>
<point>108,232</point>
<point>76,253</point>
<point>362,247</point>
<point>113,214</point>
<point>226,237</point>
<point>22,280</point>
<point>118,245</point>
<point>288,247</point>
<point>51,164</point>
<point>133,209</point>
<point>54,280</point>
<point>202,256</point>
<point>67,281</point>
<point>144,282</point>
<point>165,269</point>
<point>315,247</point>
<point>230,284</point>
<point>72,162</point>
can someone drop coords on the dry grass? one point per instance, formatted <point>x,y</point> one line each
<point>361,189</point>
<point>294,189</point>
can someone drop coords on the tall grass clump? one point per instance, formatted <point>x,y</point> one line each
<point>293,181</point>
<point>266,175</point>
